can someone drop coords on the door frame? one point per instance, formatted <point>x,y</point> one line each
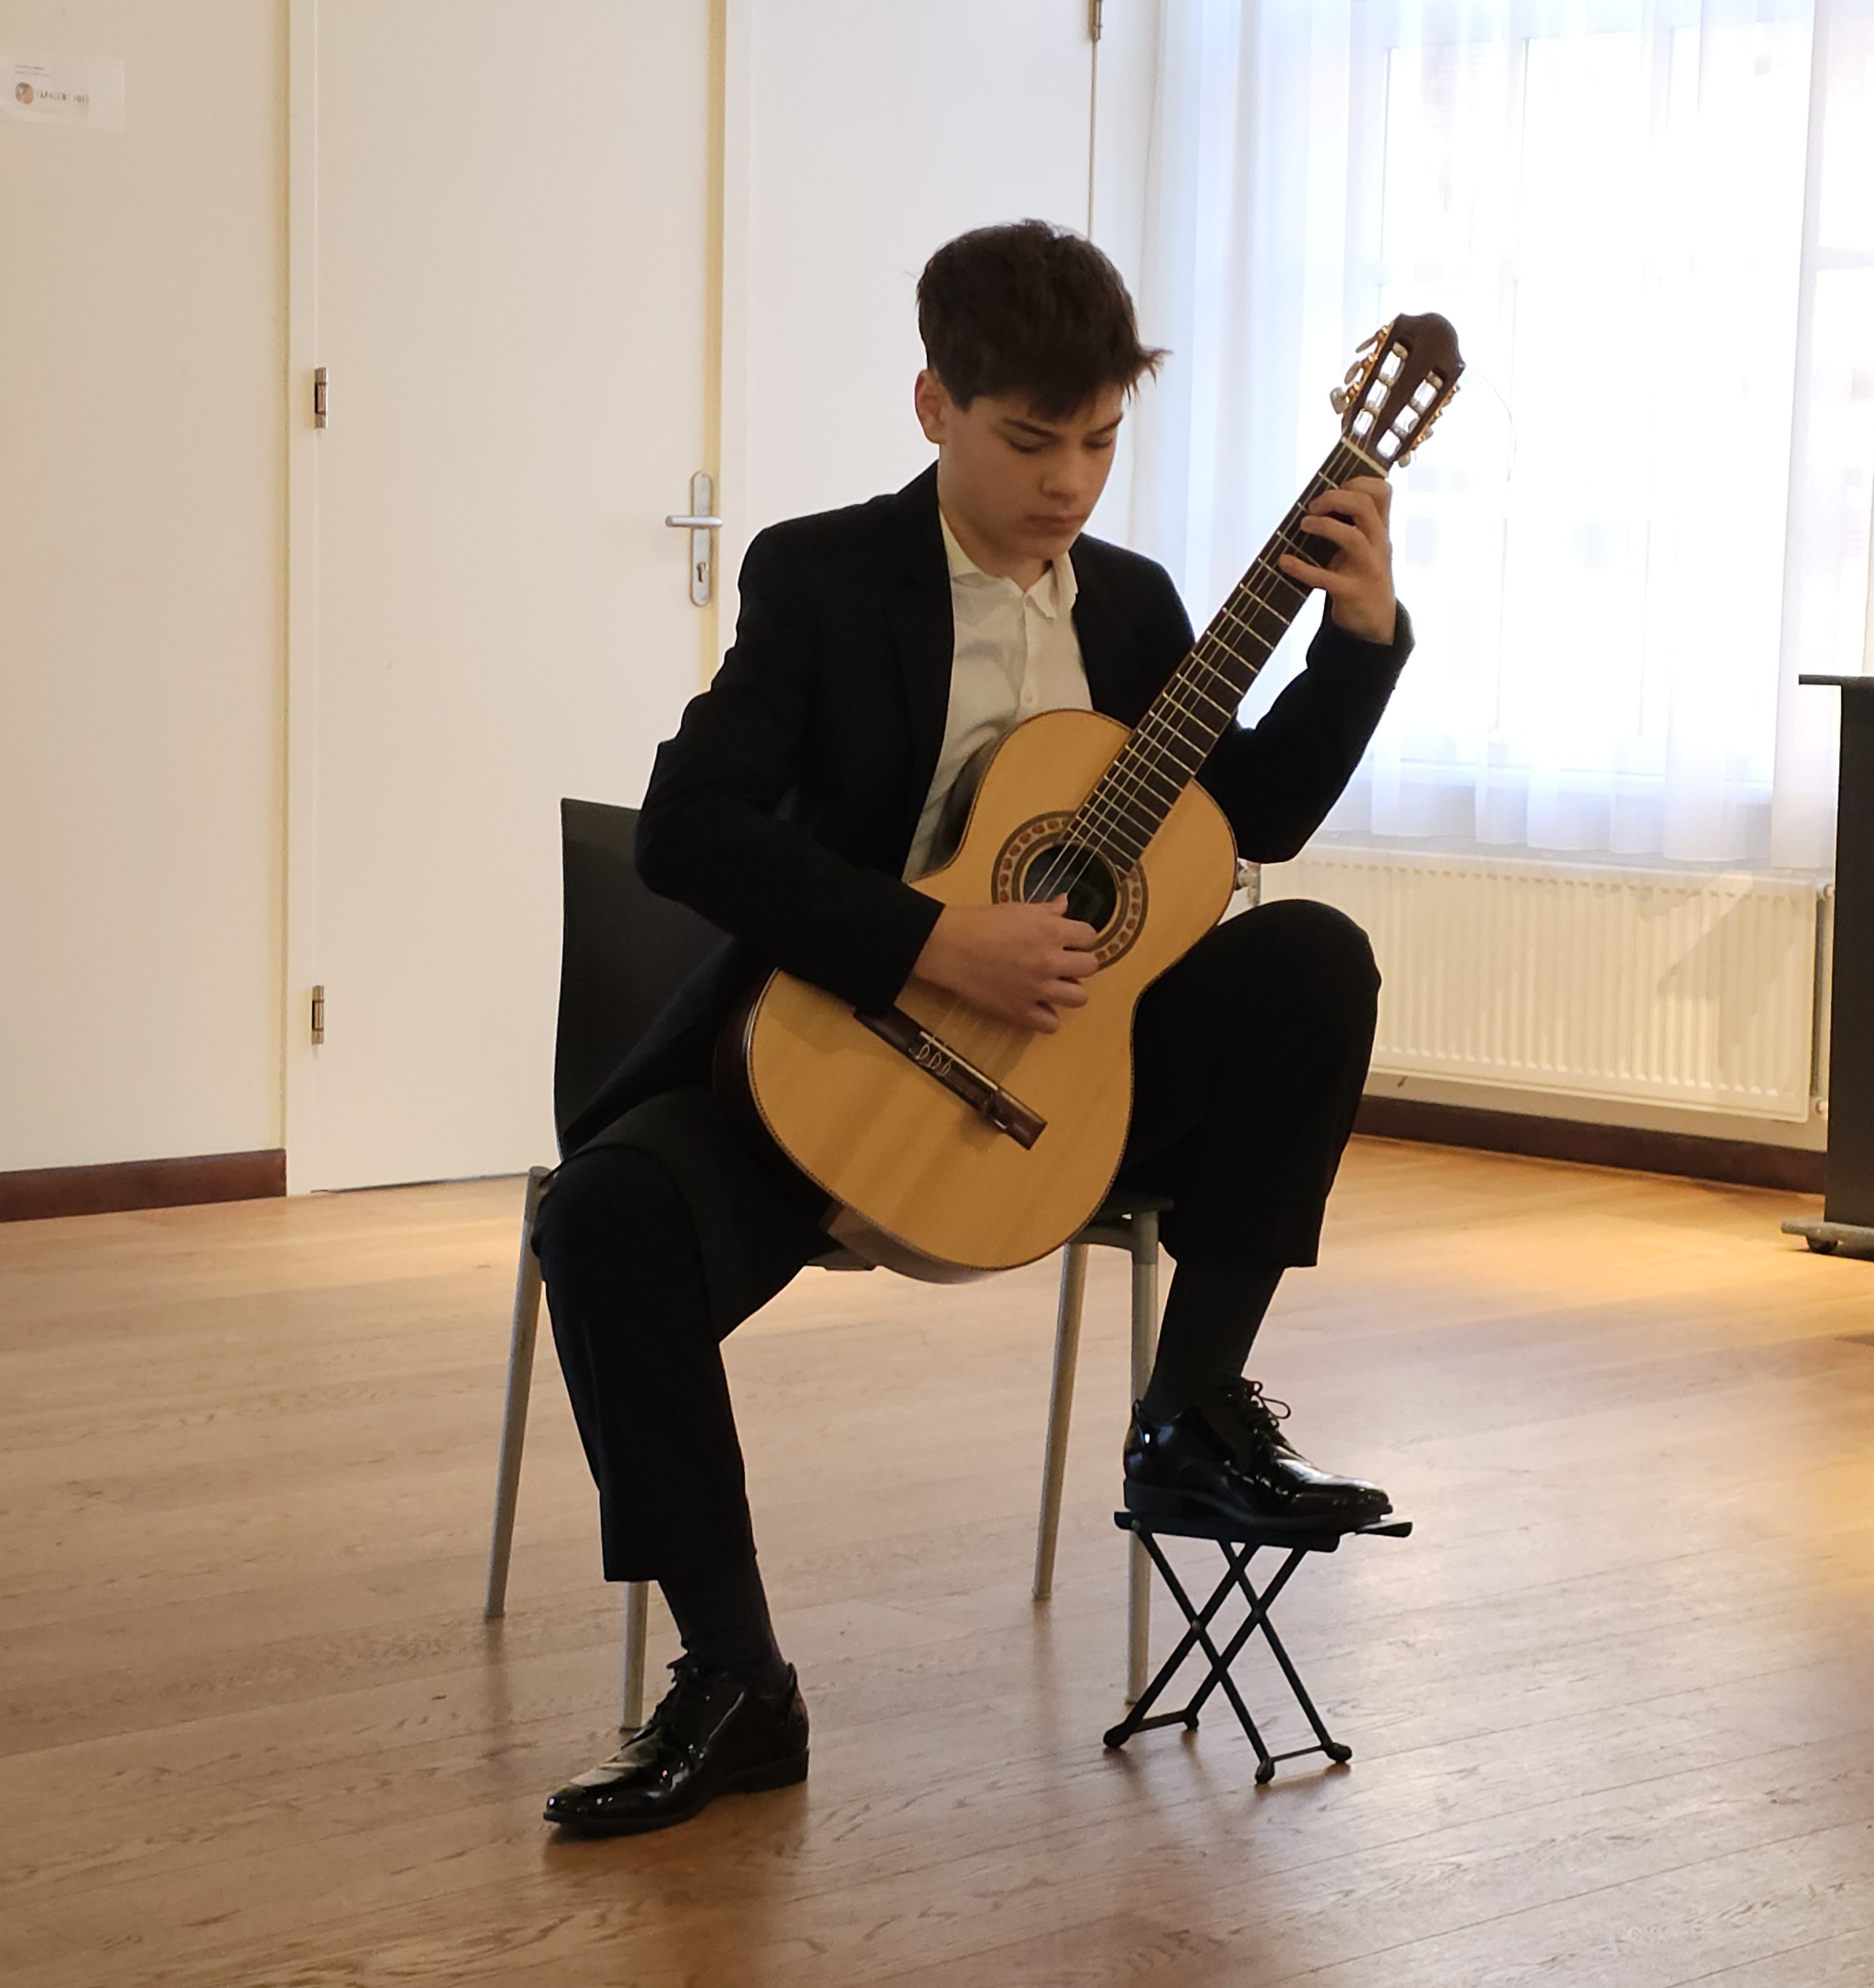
<point>299,1075</point>
<point>300,935</point>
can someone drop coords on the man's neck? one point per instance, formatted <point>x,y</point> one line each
<point>1024,569</point>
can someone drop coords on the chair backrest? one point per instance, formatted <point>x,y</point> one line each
<point>623,951</point>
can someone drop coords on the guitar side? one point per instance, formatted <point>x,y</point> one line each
<point>889,1137</point>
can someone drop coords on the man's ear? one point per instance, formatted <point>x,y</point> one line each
<point>933,403</point>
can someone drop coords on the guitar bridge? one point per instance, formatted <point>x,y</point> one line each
<point>958,1075</point>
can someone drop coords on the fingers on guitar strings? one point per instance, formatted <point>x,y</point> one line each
<point>1365,504</point>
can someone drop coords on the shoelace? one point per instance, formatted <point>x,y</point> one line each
<point>1263,1410</point>
<point>676,1710</point>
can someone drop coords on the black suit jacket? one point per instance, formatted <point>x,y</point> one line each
<point>784,809</point>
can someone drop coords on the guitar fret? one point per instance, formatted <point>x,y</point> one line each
<point>1198,703</point>
<point>1262,607</point>
<point>1145,778</point>
<point>1166,724</point>
<point>1146,773</point>
<point>1191,733</point>
<point>1180,715</point>
<point>1232,664</point>
<point>1225,671</point>
<point>1228,710</point>
<point>1259,626</point>
<point>1165,753</point>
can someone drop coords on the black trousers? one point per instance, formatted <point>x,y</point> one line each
<point>1249,1056</point>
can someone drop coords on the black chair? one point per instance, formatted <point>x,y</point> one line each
<point>623,951</point>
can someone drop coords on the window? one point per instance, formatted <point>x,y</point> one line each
<point>1653,226</point>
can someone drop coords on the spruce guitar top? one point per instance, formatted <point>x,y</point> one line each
<point>956,1143</point>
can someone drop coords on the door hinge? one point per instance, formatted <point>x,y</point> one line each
<point>319,1015</point>
<point>1096,19</point>
<point>318,397</point>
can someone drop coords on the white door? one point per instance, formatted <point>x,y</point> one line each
<point>510,234</point>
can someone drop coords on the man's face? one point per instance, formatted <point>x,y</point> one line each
<point>1016,485</point>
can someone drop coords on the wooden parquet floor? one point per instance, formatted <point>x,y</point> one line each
<point>1612,1707</point>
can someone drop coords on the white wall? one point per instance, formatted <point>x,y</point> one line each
<point>142,531</point>
<point>860,137</point>
<point>141,534</point>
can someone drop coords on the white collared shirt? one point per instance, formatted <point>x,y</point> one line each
<point>1015,654</point>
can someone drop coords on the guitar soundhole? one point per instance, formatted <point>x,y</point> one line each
<point>1091,890</point>
<point>1038,863</point>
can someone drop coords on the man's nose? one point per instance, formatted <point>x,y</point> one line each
<point>1070,478</point>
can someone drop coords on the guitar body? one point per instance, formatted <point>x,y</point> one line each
<point>925,1175</point>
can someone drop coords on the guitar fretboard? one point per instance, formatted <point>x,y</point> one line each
<point>1128,806</point>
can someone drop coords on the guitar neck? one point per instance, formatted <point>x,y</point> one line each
<point>1128,806</point>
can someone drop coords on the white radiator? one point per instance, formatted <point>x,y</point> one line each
<point>1677,987</point>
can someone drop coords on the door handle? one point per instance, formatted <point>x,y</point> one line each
<point>702,523</point>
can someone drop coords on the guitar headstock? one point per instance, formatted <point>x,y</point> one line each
<point>1400,382</point>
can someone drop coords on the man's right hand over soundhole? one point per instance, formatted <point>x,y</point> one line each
<point>1020,962</point>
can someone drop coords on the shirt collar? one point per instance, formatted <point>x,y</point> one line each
<point>1054,594</point>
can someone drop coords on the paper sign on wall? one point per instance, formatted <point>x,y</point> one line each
<point>62,89</point>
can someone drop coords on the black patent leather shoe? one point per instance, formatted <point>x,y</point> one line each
<point>1226,1457</point>
<point>712,1735</point>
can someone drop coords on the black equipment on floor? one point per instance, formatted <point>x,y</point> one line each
<point>1240,1546</point>
<point>1848,1212</point>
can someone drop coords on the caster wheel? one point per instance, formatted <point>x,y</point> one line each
<point>1823,1245</point>
<point>1338,1753</point>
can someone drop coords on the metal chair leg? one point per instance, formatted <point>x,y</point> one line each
<point>514,1418</point>
<point>637,1623</point>
<point>1145,1340</point>
<point>1059,1414</point>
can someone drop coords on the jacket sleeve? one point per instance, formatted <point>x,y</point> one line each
<point>713,832</point>
<point>1277,781</point>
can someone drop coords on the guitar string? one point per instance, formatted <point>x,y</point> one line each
<point>1167,726</point>
<point>1142,760</point>
<point>1176,726</point>
<point>1175,721</point>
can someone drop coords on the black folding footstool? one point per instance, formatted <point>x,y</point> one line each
<point>1240,1546</point>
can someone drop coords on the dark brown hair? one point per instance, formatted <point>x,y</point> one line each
<point>1029,307</point>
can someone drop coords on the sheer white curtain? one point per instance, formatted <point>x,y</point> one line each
<point>1652,223</point>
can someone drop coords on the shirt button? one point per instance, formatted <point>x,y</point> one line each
<point>1028,699</point>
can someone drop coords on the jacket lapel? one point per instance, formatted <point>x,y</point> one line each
<point>1107,648</point>
<point>917,606</point>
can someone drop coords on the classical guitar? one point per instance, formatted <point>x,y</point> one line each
<point>951,1142</point>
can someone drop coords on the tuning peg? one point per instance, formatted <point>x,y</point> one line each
<point>1340,399</point>
<point>1401,462</point>
<point>1354,372</point>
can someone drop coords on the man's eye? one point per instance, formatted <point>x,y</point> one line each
<point>1027,448</point>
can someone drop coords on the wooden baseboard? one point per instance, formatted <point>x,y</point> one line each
<point>134,1183</point>
<point>1739,1162</point>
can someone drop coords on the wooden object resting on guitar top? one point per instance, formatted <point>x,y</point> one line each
<point>956,1144</point>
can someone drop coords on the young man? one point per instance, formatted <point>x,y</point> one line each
<point>876,648</point>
